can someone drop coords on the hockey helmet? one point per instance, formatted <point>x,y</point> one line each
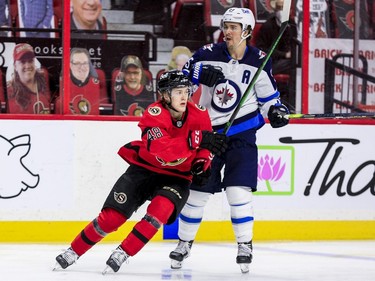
<point>173,79</point>
<point>243,16</point>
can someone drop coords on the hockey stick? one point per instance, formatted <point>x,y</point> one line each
<point>284,25</point>
<point>357,115</point>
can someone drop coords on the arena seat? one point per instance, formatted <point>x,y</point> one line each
<point>104,97</point>
<point>188,24</point>
<point>106,107</point>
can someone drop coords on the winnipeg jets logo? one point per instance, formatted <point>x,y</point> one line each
<point>226,96</point>
<point>208,47</point>
<point>261,54</point>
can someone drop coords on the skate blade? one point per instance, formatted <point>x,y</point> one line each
<point>57,267</point>
<point>176,264</point>
<point>245,267</point>
<point>107,269</point>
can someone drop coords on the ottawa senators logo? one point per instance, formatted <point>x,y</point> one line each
<point>120,197</point>
<point>172,163</point>
<point>154,111</point>
<point>226,3</point>
<point>200,107</point>
<point>80,105</point>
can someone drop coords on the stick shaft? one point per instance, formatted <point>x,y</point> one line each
<point>332,116</point>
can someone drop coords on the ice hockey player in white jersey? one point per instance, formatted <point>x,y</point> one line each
<point>225,70</point>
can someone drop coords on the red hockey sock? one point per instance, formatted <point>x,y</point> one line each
<point>109,220</point>
<point>158,213</point>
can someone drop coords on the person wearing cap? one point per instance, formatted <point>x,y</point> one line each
<point>84,85</point>
<point>176,143</point>
<point>132,92</point>
<point>36,14</point>
<point>86,15</point>
<point>27,90</point>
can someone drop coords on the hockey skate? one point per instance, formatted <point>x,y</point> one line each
<point>66,259</point>
<point>244,256</point>
<point>181,252</point>
<point>117,258</point>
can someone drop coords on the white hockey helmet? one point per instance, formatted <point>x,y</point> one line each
<point>243,16</point>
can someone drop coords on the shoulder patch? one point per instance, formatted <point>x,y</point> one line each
<point>200,107</point>
<point>154,111</point>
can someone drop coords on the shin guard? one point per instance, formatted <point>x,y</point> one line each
<point>242,214</point>
<point>157,214</point>
<point>109,220</point>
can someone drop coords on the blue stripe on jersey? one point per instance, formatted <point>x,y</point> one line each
<point>242,124</point>
<point>276,95</point>
<point>190,220</point>
<point>242,220</point>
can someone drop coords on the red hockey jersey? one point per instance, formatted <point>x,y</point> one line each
<point>164,146</point>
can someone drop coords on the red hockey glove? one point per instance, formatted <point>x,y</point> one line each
<point>199,166</point>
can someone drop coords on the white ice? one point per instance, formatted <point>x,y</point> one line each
<point>323,261</point>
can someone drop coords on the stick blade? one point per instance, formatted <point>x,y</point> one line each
<point>286,11</point>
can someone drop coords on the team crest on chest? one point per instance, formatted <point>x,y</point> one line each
<point>226,96</point>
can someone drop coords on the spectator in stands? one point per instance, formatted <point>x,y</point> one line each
<point>36,14</point>
<point>87,15</point>
<point>180,55</point>
<point>4,20</point>
<point>84,85</point>
<point>282,56</point>
<point>27,90</point>
<point>132,92</point>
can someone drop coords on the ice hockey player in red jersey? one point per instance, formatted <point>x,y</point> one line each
<point>177,143</point>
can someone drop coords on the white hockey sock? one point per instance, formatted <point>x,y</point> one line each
<point>242,213</point>
<point>191,215</point>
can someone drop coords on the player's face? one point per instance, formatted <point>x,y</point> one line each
<point>180,98</point>
<point>26,69</point>
<point>79,65</point>
<point>133,77</point>
<point>87,11</point>
<point>232,34</point>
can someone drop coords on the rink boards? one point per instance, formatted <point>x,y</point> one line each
<point>316,181</point>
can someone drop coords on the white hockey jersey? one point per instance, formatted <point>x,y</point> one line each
<point>223,98</point>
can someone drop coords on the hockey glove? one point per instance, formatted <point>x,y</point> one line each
<point>214,142</point>
<point>276,115</point>
<point>202,179</point>
<point>205,74</point>
<point>200,166</point>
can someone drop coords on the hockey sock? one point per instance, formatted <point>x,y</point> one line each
<point>158,213</point>
<point>241,210</point>
<point>109,220</point>
<point>191,215</point>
